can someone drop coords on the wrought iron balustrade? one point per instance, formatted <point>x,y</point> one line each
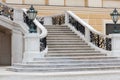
<point>6,11</point>
<point>43,44</point>
<point>100,41</point>
<point>77,25</point>
<point>25,17</point>
<point>58,20</point>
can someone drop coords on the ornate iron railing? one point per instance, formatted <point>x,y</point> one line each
<point>6,11</point>
<point>58,20</point>
<point>100,41</point>
<point>77,25</point>
<point>43,44</point>
<point>96,38</point>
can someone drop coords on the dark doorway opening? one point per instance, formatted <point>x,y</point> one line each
<point>5,46</point>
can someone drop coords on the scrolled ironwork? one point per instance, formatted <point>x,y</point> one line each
<point>100,41</point>
<point>43,44</point>
<point>77,25</point>
<point>6,11</point>
<point>58,20</point>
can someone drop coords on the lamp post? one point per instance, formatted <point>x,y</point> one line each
<point>115,16</point>
<point>31,16</point>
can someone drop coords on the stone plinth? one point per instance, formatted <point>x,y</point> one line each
<point>32,47</point>
<point>115,44</point>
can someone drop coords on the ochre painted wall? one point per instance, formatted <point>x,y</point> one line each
<point>94,16</point>
<point>87,3</point>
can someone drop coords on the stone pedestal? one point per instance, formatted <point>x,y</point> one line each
<point>115,44</point>
<point>32,47</point>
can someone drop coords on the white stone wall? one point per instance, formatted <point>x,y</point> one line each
<point>56,2</point>
<point>75,2</point>
<point>14,1</point>
<point>110,3</point>
<point>41,2</point>
<point>94,3</point>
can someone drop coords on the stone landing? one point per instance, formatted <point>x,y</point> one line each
<point>83,75</point>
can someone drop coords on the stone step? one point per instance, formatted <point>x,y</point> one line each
<point>75,54</point>
<point>66,65</point>
<point>56,26</point>
<point>58,29</point>
<point>74,51</point>
<point>76,58</point>
<point>62,38</point>
<point>65,69</point>
<point>68,43</point>
<point>54,61</point>
<point>62,41</point>
<point>70,40</point>
<point>61,33</point>
<point>70,48</point>
<point>52,26</point>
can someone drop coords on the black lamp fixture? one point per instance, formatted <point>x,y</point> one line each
<point>31,13</point>
<point>115,16</point>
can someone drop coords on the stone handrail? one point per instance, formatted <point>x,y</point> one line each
<point>43,29</point>
<point>85,24</point>
<point>89,33</point>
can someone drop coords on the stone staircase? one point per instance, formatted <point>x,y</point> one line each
<point>68,53</point>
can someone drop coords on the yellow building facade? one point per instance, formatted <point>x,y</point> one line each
<point>86,3</point>
<point>94,12</point>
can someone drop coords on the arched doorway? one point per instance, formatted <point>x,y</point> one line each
<point>5,46</point>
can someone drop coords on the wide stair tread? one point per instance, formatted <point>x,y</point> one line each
<point>66,69</point>
<point>56,61</point>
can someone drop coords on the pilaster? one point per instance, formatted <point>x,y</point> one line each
<point>17,46</point>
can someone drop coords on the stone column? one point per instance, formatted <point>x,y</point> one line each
<point>32,47</point>
<point>17,46</point>
<point>115,45</point>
